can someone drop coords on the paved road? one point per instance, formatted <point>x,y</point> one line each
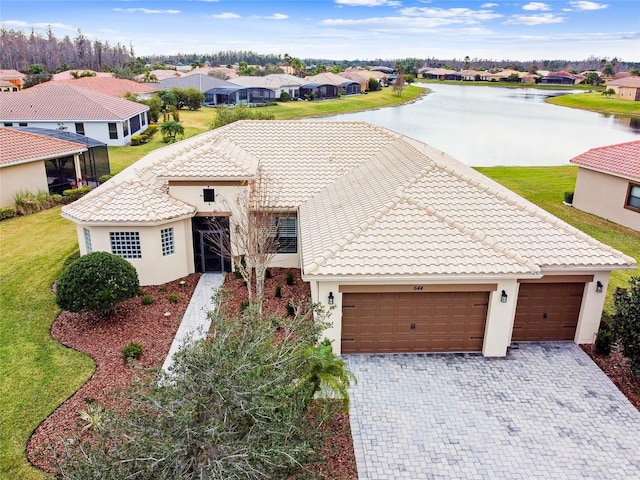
<point>545,411</point>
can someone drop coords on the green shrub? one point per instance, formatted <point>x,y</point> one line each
<point>285,97</point>
<point>278,293</point>
<point>568,197</point>
<point>289,278</point>
<point>225,115</point>
<point>7,212</point>
<point>75,193</point>
<point>96,282</point>
<point>150,131</point>
<point>163,288</point>
<point>26,202</point>
<point>71,258</point>
<point>138,140</point>
<point>627,318</point>
<point>56,198</point>
<point>604,340</point>
<point>104,178</point>
<point>291,308</point>
<point>267,273</point>
<point>244,305</point>
<point>173,298</point>
<point>147,300</point>
<point>131,351</point>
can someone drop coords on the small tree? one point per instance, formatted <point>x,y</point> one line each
<point>627,318</point>
<point>373,85</point>
<point>96,282</point>
<point>610,92</point>
<point>170,130</point>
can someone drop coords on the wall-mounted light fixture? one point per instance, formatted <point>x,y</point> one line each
<point>331,298</point>
<point>503,297</point>
<point>599,286</point>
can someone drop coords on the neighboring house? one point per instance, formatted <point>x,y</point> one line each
<point>199,81</point>
<point>351,73</point>
<point>33,159</point>
<point>627,88</point>
<point>6,86</point>
<point>116,87</point>
<point>560,78</point>
<point>319,91</point>
<point>278,82</point>
<point>62,106</point>
<point>14,77</point>
<point>414,250</point>
<point>345,86</point>
<point>441,74</point>
<point>72,74</point>
<point>608,183</point>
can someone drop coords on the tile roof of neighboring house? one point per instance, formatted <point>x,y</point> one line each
<point>328,78</point>
<point>362,192</point>
<point>116,87</point>
<point>57,101</point>
<point>229,72</point>
<point>67,74</point>
<point>22,147</point>
<point>6,83</point>
<point>11,74</point>
<point>198,81</point>
<point>161,74</point>
<point>625,82</point>
<point>273,81</point>
<point>622,159</point>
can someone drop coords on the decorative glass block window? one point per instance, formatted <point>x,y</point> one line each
<point>126,244</point>
<point>87,240</point>
<point>633,199</point>
<point>166,239</point>
<point>285,231</point>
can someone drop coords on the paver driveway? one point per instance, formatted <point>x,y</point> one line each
<point>545,411</point>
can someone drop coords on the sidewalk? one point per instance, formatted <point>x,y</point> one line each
<point>195,323</point>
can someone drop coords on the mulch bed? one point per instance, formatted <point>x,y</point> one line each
<point>154,327</point>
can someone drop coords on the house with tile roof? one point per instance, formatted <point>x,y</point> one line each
<point>34,160</point>
<point>116,87</point>
<point>67,107</point>
<point>608,183</point>
<point>14,77</point>
<point>626,88</point>
<point>411,250</point>
<point>278,82</point>
<point>345,86</point>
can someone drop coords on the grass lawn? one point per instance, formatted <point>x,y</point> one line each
<point>598,103</point>
<point>545,186</point>
<point>36,372</point>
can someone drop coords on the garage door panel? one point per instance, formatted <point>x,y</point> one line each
<point>414,322</point>
<point>547,311</point>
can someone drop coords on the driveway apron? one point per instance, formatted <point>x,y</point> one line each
<point>545,411</point>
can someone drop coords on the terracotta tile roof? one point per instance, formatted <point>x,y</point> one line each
<point>273,81</point>
<point>116,87</point>
<point>66,75</point>
<point>328,78</point>
<point>622,160</point>
<point>438,218</point>
<point>363,192</point>
<point>633,82</point>
<point>57,101</point>
<point>22,147</point>
<point>11,74</point>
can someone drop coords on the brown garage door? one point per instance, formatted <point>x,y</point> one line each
<point>413,322</point>
<point>547,311</point>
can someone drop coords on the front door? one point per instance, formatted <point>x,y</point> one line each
<point>210,244</point>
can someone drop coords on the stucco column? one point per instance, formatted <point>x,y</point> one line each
<point>591,308</point>
<point>500,316</point>
<point>334,312</point>
<point>76,166</point>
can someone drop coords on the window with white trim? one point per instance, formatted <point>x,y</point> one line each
<point>166,240</point>
<point>633,198</point>
<point>285,233</point>
<point>87,240</point>
<point>126,244</point>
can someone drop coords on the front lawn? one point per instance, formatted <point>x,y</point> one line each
<point>598,103</point>
<point>36,372</point>
<point>545,186</point>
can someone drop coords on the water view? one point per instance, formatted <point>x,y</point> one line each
<point>487,126</point>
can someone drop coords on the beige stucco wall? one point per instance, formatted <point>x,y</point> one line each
<point>604,195</point>
<point>591,309</point>
<point>153,268</point>
<point>30,176</point>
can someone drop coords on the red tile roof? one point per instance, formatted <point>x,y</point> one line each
<point>625,82</point>
<point>116,87</point>
<point>58,101</point>
<point>622,159</point>
<point>22,147</point>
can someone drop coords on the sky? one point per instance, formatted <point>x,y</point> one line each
<point>347,29</point>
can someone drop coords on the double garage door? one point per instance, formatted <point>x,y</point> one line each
<point>453,321</point>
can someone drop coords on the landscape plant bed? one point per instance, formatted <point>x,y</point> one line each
<point>616,367</point>
<point>150,326</point>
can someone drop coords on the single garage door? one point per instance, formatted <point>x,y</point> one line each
<point>547,311</point>
<point>413,322</point>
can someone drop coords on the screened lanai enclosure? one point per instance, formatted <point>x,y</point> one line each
<point>239,96</point>
<point>63,173</point>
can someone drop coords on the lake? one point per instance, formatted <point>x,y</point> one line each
<point>488,126</point>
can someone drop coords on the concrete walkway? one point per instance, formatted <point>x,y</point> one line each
<point>195,323</point>
<point>546,411</point>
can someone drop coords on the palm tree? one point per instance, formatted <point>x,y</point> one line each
<point>170,130</point>
<point>327,372</point>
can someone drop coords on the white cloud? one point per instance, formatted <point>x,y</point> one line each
<point>226,15</point>
<point>539,19</point>
<point>489,5</point>
<point>277,16</point>
<point>583,5</point>
<point>369,3</point>
<point>40,25</point>
<point>539,6</point>
<point>465,15</point>
<point>146,10</point>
